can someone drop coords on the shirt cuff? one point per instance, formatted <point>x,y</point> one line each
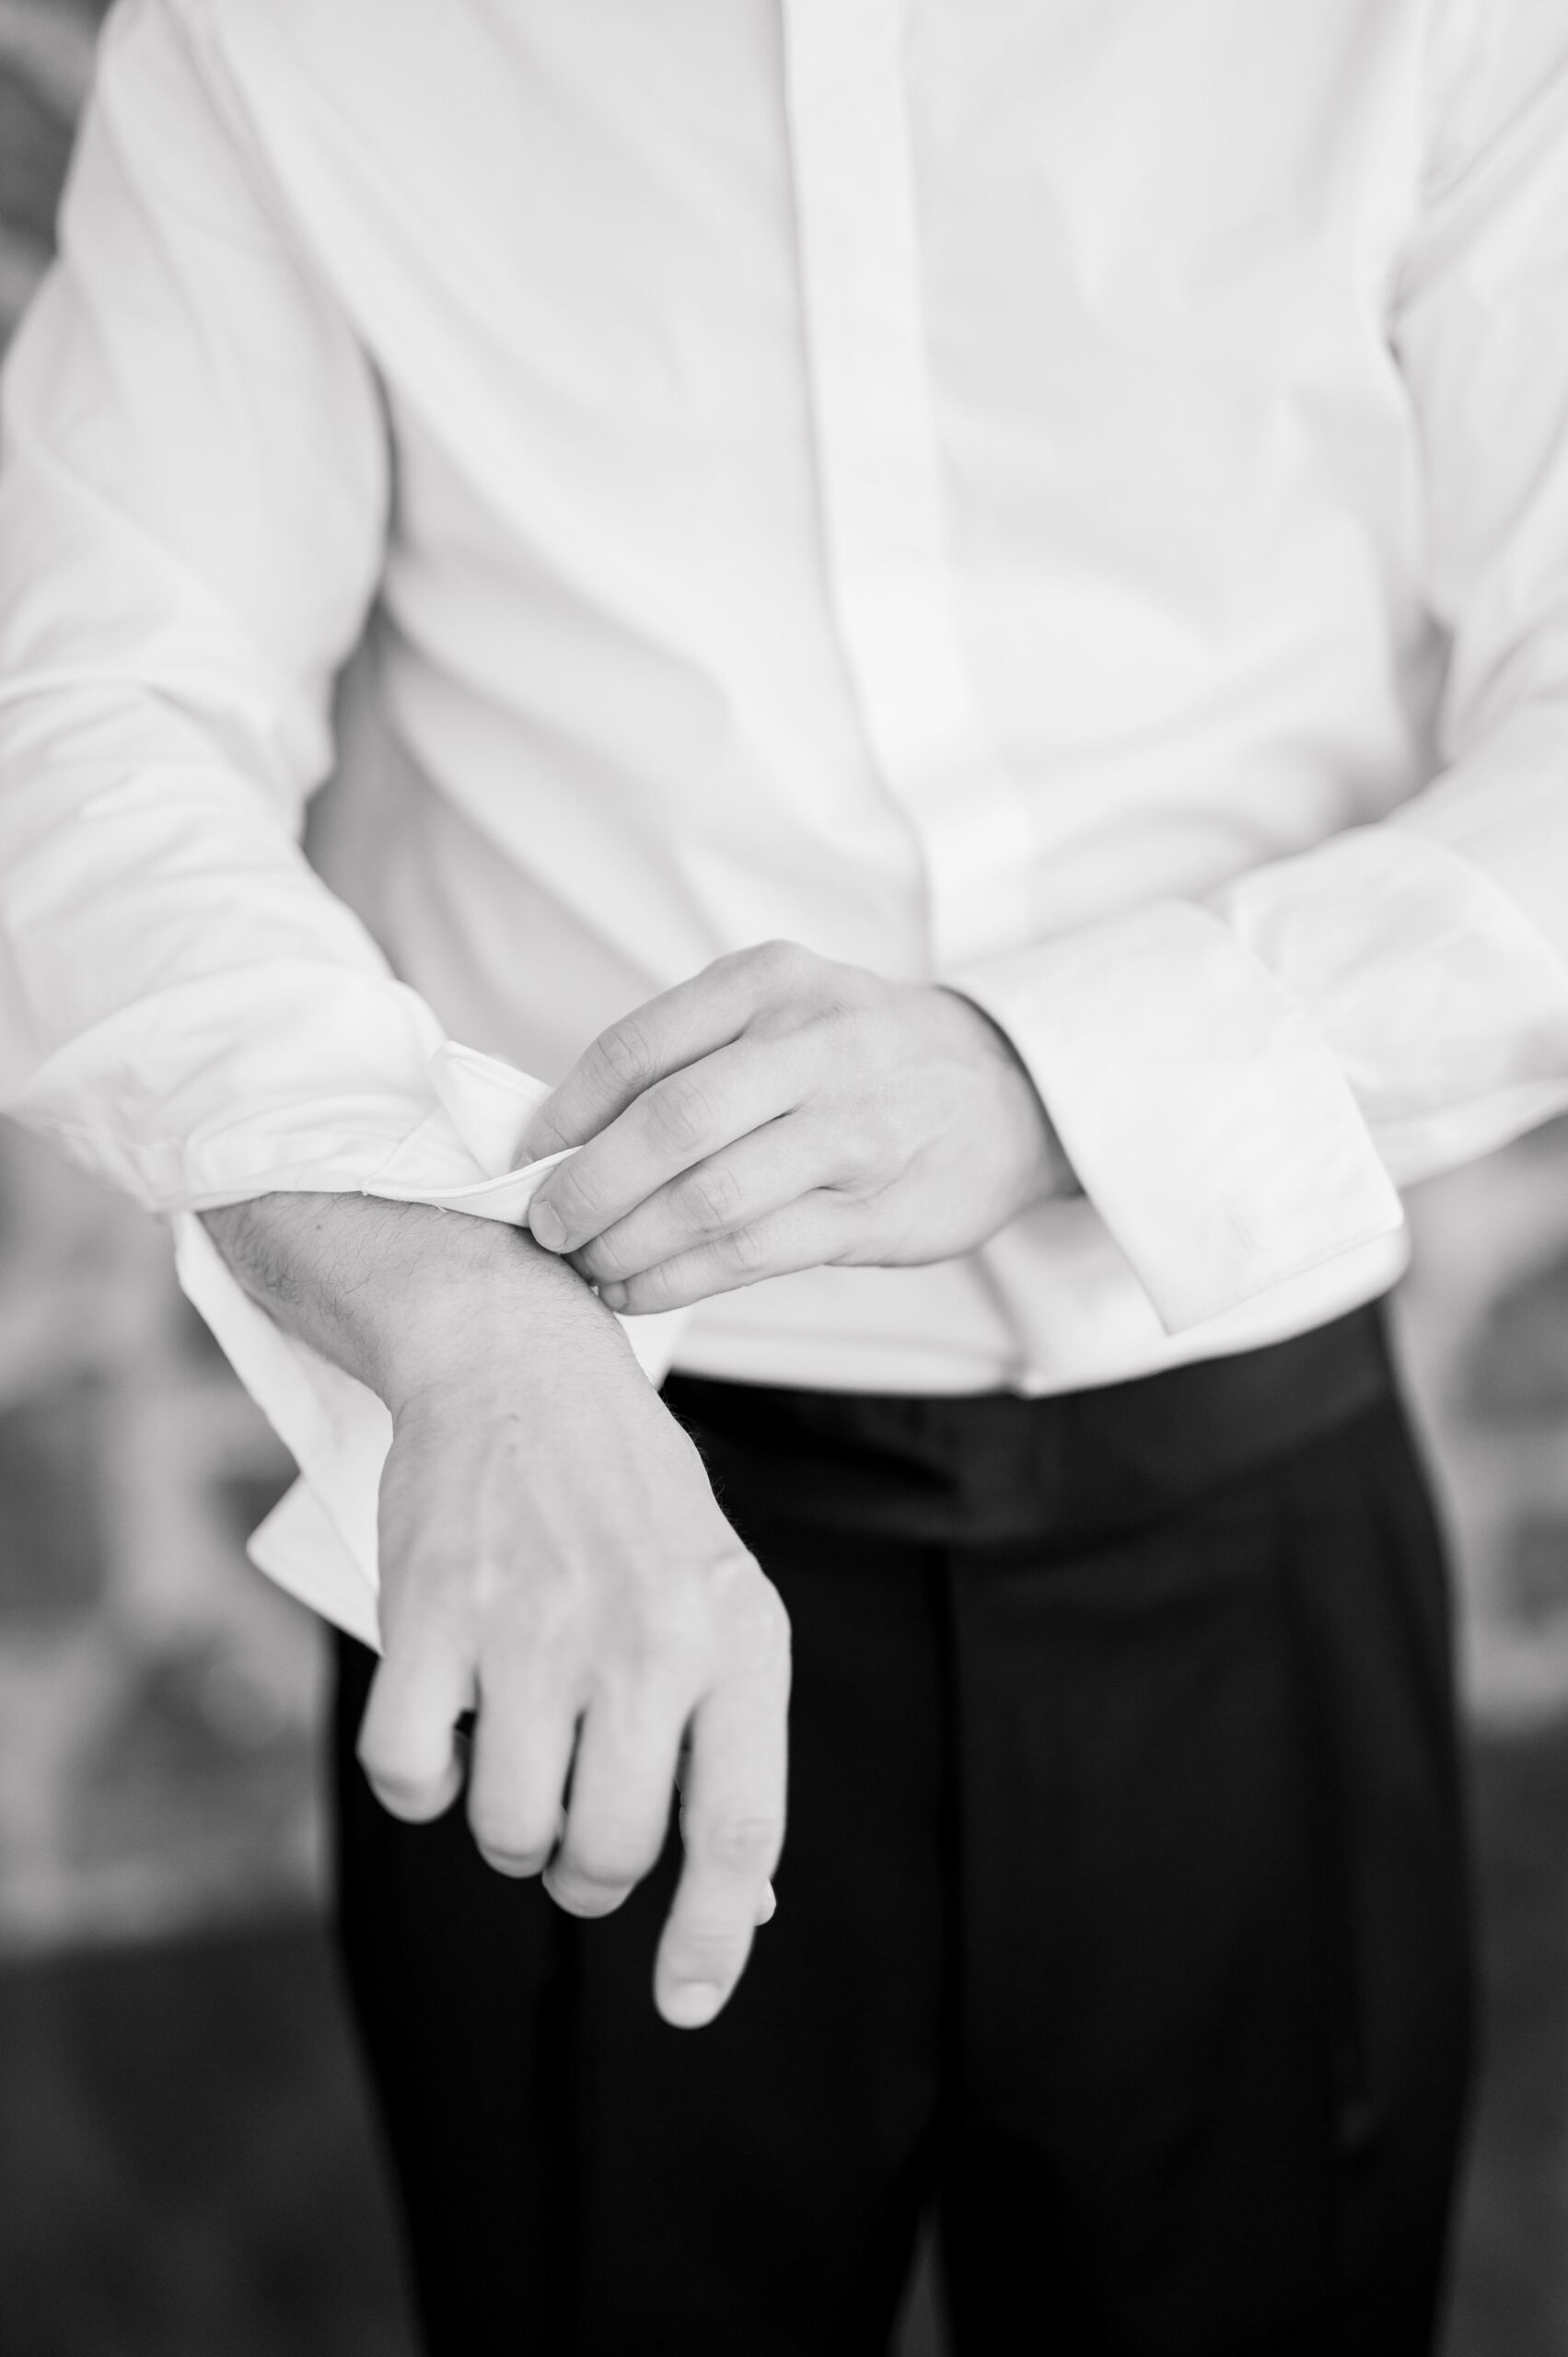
<point>319,1543</point>
<point>1206,1119</point>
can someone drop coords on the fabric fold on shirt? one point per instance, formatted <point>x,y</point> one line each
<point>1161,1046</point>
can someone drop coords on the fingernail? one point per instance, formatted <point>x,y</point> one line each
<point>549,1228</point>
<point>614,1295</point>
<point>691,2004</point>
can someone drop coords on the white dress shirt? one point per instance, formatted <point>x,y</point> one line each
<point>1069,500</point>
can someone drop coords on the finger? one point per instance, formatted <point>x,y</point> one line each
<point>759,1174</point>
<point>732,1824</point>
<point>803,1235</point>
<point>408,1740</point>
<point>684,1119</point>
<point>676,1028</point>
<point>623,1784</point>
<point>522,1753</point>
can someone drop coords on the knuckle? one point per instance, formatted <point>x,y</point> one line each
<point>744,1248</point>
<point>852,992</point>
<point>756,1620</point>
<point>865,1175</point>
<point>860,1164</point>
<point>569,1198</point>
<point>708,1198</point>
<point>647,1290</point>
<point>844,1019</point>
<point>678,1116</point>
<point>766,1617</point>
<point>601,1260</point>
<point>622,1057</point>
<point>671,1629</point>
<point>743,1844</point>
<point>783,964</point>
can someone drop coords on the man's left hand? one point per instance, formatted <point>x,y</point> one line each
<point>778,1112</point>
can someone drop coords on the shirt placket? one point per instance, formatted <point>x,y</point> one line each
<point>879,460</point>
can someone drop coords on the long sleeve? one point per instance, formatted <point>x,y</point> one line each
<point>1242,1083</point>
<point>193,508</point>
<point>193,502</point>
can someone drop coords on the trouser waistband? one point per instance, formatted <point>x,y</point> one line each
<point>993,1466</point>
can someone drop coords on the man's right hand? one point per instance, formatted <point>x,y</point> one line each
<point>552,1558</point>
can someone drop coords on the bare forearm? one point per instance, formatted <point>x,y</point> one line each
<point>402,1294</point>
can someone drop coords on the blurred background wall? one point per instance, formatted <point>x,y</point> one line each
<point>186,2165</point>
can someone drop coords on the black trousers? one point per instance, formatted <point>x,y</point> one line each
<point>1122,1914</point>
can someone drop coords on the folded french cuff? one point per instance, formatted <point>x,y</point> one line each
<point>460,1157</point>
<point>1207,1122</point>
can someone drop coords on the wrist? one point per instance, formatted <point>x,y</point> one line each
<point>1054,1174</point>
<point>484,1311</point>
